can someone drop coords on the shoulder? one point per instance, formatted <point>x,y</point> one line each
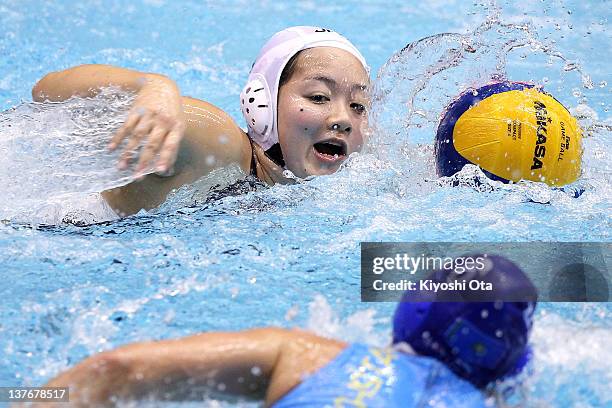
<point>296,339</point>
<point>206,115</point>
<point>212,132</point>
<point>301,355</point>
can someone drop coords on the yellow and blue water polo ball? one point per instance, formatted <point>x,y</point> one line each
<point>513,131</point>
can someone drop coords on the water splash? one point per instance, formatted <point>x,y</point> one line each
<point>415,84</point>
<point>279,247</point>
<point>54,155</point>
<point>357,327</point>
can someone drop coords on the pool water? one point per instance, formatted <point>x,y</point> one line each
<point>289,255</point>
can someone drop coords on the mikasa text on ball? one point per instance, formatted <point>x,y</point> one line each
<point>513,131</point>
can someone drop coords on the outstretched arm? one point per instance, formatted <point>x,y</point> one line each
<point>251,363</point>
<point>190,137</point>
<point>89,80</point>
<point>156,115</point>
<point>233,362</point>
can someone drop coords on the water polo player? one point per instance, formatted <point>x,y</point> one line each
<point>513,131</point>
<point>446,354</point>
<point>305,105</point>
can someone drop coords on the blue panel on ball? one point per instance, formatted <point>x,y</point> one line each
<point>448,160</point>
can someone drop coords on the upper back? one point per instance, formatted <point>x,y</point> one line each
<point>362,376</point>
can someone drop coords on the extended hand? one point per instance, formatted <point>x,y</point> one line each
<point>156,123</point>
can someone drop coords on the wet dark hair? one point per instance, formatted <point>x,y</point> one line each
<point>275,153</point>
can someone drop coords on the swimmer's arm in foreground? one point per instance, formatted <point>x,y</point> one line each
<point>191,137</point>
<point>211,140</point>
<point>251,363</point>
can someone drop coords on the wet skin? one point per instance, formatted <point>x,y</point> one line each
<point>322,111</point>
<point>321,120</point>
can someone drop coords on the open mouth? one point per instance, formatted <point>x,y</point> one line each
<point>330,149</point>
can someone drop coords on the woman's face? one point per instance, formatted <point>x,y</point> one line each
<point>322,111</point>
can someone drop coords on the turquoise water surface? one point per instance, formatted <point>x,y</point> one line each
<point>286,255</point>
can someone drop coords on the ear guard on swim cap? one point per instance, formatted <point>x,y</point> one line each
<point>255,104</point>
<point>258,99</point>
<point>479,341</point>
<point>513,131</point>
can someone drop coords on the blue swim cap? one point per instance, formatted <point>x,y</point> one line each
<point>479,341</point>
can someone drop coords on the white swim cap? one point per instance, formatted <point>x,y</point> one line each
<point>259,97</point>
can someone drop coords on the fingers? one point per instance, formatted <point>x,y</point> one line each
<point>139,132</point>
<point>125,130</point>
<point>162,134</point>
<point>156,139</point>
<point>169,150</point>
